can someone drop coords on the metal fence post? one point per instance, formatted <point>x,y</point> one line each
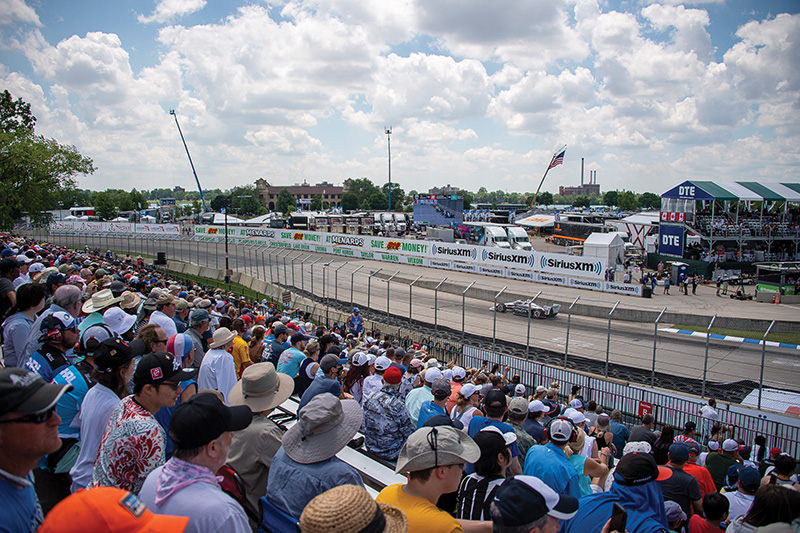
<point>608,340</point>
<point>336,282</point>
<point>528,341</point>
<point>410,299</point>
<point>293,260</point>
<point>325,290</point>
<point>387,295</point>
<point>369,286</point>
<point>285,277</point>
<point>655,343</point>
<point>763,357</point>
<point>494,324</point>
<point>352,275</point>
<point>463,309</point>
<point>705,361</point>
<point>312,275</point>
<point>569,318</point>
<point>436,306</point>
<point>264,265</point>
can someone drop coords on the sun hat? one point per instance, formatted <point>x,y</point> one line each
<point>637,447</point>
<point>118,320</point>
<point>158,367</point>
<point>100,300</point>
<point>149,304</point>
<point>324,426</point>
<point>639,468</point>
<point>26,392</point>
<point>108,509</point>
<point>535,497</point>
<point>261,388</point>
<point>222,336</point>
<point>349,508</point>
<point>537,406</point>
<point>468,390</point>
<point>198,316</point>
<point>111,354</point>
<point>518,406</point>
<point>429,447</point>
<point>203,418</point>
<point>431,363</point>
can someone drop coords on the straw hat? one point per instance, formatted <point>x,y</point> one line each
<point>130,300</point>
<point>349,508</point>
<point>100,300</point>
<point>261,388</point>
<point>222,336</point>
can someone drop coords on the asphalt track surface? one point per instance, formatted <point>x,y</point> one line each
<point>733,368</point>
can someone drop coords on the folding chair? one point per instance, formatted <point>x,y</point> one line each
<point>275,520</point>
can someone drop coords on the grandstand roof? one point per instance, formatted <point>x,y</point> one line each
<point>735,191</point>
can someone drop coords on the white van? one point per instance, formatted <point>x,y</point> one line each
<point>496,236</point>
<point>518,238</point>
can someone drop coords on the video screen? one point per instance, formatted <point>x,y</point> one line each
<point>438,209</point>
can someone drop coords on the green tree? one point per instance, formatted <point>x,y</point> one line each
<point>316,202</point>
<point>104,207</point>
<point>220,202</point>
<point>138,199</point>
<point>398,196</point>
<point>626,200</point>
<point>286,202</point>
<point>649,200</point>
<point>467,201</point>
<point>377,200</point>
<point>33,169</point>
<point>349,201</point>
<point>611,198</point>
<point>581,201</point>
<point>196,206</point>
<point>544,198</point>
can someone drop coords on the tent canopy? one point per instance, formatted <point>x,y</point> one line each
<point>735,191</point>
<point>536,221</point>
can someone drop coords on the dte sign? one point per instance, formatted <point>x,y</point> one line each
<point>686,190</point>
<point>670,240</point>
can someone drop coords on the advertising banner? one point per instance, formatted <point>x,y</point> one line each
<point>670,240</point>
<point>631,289</point>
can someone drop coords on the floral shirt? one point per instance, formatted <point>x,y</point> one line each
<point>133,446</point>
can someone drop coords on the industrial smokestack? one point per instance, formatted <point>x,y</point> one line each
<point>581,172</point>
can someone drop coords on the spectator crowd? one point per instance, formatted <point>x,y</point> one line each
<point>133,402</point>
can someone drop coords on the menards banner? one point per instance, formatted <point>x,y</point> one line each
<point>482,259</point>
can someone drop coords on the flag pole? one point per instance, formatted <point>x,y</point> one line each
<point>549,166</point>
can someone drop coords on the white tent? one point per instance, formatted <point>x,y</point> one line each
<point>262,219</point>
<point>148,218</point>
<point>607,246</point>
<point>219,218</point>
<point>536,221</point>
<point>70,217</point>
<point>120,219</point>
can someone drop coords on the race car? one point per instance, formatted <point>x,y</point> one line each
<point>521,307</point>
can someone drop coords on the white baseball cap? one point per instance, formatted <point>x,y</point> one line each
<point>431,374</point>
<point>537,406</point>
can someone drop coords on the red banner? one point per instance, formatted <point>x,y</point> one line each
<point>669,216</point>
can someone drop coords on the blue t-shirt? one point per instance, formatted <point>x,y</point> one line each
<point>47,363</point>
<point>550,464</point>
<point>289,361</point>
<point>320,385</point>
<point>164,415</point>
<point>69,405</point>
<point>480,422</point>
<point>428,410</point>
<point>20,509</point>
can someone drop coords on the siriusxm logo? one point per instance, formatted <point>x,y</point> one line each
<point>457,252</point>
<point>506,258</point>
<point>577,266</point>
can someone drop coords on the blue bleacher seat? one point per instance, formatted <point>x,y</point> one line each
<point>275,520</point>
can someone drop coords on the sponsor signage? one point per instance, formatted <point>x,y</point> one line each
<point>518,274</point>
<point>644,408</point>
<point>586,284</point>
<point>439,264</point>
<point>632,289</point>
<point>464,267</point>
<point>687,191</point>
<point>259,232</point>
<point>493,271</point>
<point>670,240</point>
<point>668,216</point>
<point>549,278</point>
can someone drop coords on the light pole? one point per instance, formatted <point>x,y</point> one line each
<point>389,148</point>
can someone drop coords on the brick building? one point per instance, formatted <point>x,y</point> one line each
<point>331,195</point>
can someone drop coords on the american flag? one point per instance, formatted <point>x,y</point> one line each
<point>557,160</point>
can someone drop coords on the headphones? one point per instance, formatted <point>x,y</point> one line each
<point>573,437</point>
<point>51,330</point>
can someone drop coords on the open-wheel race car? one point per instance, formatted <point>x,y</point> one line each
<point>521,307</point>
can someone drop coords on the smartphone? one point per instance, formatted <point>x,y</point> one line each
<point>619,519</point>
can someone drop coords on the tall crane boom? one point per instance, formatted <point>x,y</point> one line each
<point>202,197</point>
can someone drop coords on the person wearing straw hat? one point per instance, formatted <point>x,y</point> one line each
<point>217,371</point>
<point>434,459</point>
<point>306,465</point>
<point>350,508</point>
<point>262,389</point>
<point>95,306</point>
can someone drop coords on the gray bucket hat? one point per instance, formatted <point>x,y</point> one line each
<point>428,447</point>
<point>324,426</point>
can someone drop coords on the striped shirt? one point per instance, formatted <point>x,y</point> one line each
<point>474,496</point>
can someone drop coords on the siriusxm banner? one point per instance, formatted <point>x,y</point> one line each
<point>670,240</point>
<point>82,226</point>
<point>406,251</point>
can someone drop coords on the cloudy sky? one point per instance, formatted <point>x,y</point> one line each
<point>479,93</point>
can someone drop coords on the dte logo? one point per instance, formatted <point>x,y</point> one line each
<point>671,240</point>
<point>685,190</point>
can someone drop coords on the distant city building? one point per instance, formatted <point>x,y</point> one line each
<point>303,193</point>
<point>582,190</point>
<point>178,188</point>
<point>446,190</point>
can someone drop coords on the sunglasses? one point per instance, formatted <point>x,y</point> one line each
<point>171,384</point>
<point>162,341</point>
<point>35,418</point>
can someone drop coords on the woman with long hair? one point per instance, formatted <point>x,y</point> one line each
<point>411,378</point>
<point>467,402</point>
<point>308,368</point>
<point>19,320</point>
<point>602,432</point>
<point>353,383</point>
<point>256,345</point>
<point>662,444</point>
<point>772,504</point>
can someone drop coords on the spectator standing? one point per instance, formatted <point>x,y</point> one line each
<point>709,415</point>
<point>306,465</point>
<point>440,389</point>
<point>644,432</point>
<point>28,432</point>
<point>433,458</point>
<point>517,414</point>
<point>467,404</point>
<point>202,429</point>
<point>19,320</point>
<point>134,442</point>
<point>741,500</point>
<point>199,322</point>
<point>240,350</point>
<point>387,423</point>
<point>415,398</point>
<point>549,462</point>
<point>411,379</point>
<point>374,382</point>
<point>533,423</point>
<point>262,389</point>
<point>355,324</point>
<point>276,347</point>
<point>680,487</point>
<point>718,463</point>
<point>218,372</point>
<point>700,473</point>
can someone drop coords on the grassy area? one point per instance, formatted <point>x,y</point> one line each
<point>791,338</point>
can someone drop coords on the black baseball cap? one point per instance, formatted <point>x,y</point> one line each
<point>112,354</point>
<point>638,469</point>
<point>159,367</point>
<point>26,392</point>
<point>495,398</point>
<point>521,500</point>
<point>203,418</point>
<point>297,337</point>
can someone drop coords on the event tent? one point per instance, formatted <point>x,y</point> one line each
<point>734,191</point>
<point>607,246</point>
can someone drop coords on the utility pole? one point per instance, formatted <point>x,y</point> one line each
<point>389,147</point>
<point>202,197</point>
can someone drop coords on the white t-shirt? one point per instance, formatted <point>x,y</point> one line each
<point>164,322</point>
<point>739,504</point>
<point>96,409</point>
